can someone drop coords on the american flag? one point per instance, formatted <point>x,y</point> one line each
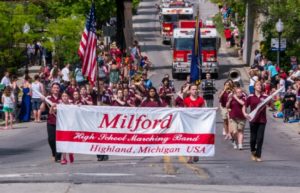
<point>87,47</point>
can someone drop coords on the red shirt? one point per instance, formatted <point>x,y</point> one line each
<point>52,117</point>
<point>227,33</point>
<point>253,101</point>
<point>236,109</point>
<point>188,102</point>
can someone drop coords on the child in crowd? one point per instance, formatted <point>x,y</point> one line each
<point>8,101</point>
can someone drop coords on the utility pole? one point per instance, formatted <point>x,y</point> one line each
<point>128,29</point>
<point>120,23</point>
<point>249,31</point>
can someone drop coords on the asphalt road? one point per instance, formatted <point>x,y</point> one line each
<point>25,154</point>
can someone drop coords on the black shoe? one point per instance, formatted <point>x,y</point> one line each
<point>105,157</point>
<point>100,158</point>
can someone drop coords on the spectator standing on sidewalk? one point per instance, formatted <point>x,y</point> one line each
<point>25,113</point>
<point>8,105</point>
<point>65,72</point>
<point>37,88</point>
<point>258,123</point>
<point>6,80</point>
<point>227,34</point>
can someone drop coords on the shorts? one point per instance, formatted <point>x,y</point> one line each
<point>224,113</point>
<point>7,109</point>
<point>237,125</point>
<point>36,104</point>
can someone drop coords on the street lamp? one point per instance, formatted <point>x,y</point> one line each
<point>279,29</point>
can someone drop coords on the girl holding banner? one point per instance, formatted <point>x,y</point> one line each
<point>257,121</point>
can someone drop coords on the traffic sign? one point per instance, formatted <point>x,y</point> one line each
<point>275,44</point>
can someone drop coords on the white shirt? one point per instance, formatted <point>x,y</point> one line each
<point>282,84</point>
<point>253,80</point>
<point>5,81</point>
<point>65,74</point>
<point>36,89</point>
<point>8,101</point>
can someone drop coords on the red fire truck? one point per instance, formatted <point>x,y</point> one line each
<point>171,14</point>
<point>182,50</point>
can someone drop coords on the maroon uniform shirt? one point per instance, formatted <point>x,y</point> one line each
<point>179,102</point>
<point>52,117</point>
<point>86,98</point>
<point>224,99</point>
<point>253,101</point>
<point>150,103</point>
<point>236,109</point>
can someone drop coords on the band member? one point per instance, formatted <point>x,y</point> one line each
<point>51,121</point>
<point>236,117</point>
<point>223,98</point>
<point>66,101</point>
<point>166,92</point>
<point>152,99</point>
<point>194,100</point>
<point>258,123</point>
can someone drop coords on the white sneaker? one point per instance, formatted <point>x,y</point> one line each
<point>240,146</point>
<point>234,145</point>
<point>224,133</point>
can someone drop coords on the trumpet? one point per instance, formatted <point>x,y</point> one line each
<point>137,78</point>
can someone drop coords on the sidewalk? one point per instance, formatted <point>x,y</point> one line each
<point>136,188</point>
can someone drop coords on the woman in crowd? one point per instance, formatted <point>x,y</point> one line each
<point>37,88</point>
<point>15,91</point>
<point>25,112</point>
<point>258,123</point>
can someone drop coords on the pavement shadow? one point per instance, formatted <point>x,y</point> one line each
<point>146,6</point>
<point>13,151</point>
<point>147,13</point>
<point>155,48</point>
<point>146,29</point>
<point>144,20</point>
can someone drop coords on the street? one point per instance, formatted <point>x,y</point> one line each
<point>25,154</point>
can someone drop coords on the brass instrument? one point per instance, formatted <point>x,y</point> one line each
<point>234,75</point>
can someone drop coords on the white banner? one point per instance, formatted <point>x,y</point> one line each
<point>139,131</point>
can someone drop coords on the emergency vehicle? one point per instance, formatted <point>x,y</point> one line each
<point>171,14</point>
<point>182,50</point>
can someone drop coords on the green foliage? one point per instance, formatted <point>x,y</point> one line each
<point>57,23</point>
<point>287,10</point>
<point>63,36</point>
<point>12,38</point>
